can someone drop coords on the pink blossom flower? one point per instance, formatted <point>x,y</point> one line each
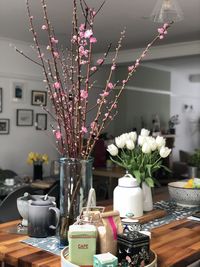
<point>48,47</point>
<point>53,40</point>
<point>94,68</point>
<point>58,135</point>
<point>88,33</point>
<point>93,40</point>
<point>84,130</point>
<point>84,94</point>
<point>104,94</point>
<point>130,68</point>
<point>44,27</point>
<point>82,27</point>
<point>56,54</point>
<point>74,39</point>
<point>93,125</point>
<point>100,61</point>
<point>113,67</point>
<point>110,85</point>
<point>56,85</point>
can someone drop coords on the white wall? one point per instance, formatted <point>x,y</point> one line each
<point>15,146</point>
<point>187,93</point>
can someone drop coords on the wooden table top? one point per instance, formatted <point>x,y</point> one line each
<point>177,244</point>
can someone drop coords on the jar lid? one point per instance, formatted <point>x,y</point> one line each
<point>127,182</point>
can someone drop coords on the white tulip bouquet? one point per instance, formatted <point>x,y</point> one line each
<point>140,155</point>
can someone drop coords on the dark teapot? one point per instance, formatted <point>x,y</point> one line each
<point>43,217</point>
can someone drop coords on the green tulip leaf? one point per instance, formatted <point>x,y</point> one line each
<point>149,181</point>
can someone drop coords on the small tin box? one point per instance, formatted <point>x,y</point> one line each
<point>133,249</point>
<point>82,244</point>
<point>105,260</point>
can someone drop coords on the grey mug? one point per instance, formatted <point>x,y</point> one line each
<point>43,218</point>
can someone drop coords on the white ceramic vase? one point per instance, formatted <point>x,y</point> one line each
<point>147,197</point>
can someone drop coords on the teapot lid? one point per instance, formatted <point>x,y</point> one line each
<point>42,201</point>
<point>128,181</point>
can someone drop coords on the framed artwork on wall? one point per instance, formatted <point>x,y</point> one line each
<point>1,99</point>
<point>41,121</point>
<point>39,98</point>
<point>24,117</point>
<point>18,92</point>
<point>4,126</point>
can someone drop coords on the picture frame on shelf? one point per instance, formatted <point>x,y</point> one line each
<point>41,121</point>
<point>18,93</point>
<point>24,117</point>
<point>38,98</point>
<point>1,99</point>
<point>4,126</point>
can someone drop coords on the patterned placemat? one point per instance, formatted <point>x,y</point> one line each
<point>174,212</point>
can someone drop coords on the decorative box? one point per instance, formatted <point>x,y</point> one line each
<point>105,260</point>
<point>82,244</point>
<point>133,249</point>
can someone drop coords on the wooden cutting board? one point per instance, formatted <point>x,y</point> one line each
<point>152,215</point>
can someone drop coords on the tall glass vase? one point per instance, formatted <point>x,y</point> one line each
<point>75,183</point>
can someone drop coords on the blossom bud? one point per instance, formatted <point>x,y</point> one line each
<point>141,140</point>
<point>133,136</point>
<point>160,141</point>
<point>144,132</point>
<point>120,142</point>
<point>146,149</point>
<point>113,150</point>
<point>130,144</point>
<point>164,151</point>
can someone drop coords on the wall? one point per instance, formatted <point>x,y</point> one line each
<point>15,146</point>
<point>186,93</point>
<point>147,94</point>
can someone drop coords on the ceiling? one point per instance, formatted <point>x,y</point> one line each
<point>114,16</point>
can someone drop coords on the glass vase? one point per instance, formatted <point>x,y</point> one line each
<point>75,183</point>
<point>37,171</point>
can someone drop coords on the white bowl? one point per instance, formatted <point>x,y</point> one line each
<point>188,197</point>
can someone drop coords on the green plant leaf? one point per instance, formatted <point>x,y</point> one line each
<point>149,166</point>
<point>137,176</point>
<point>149,181</point>
<point>165,168</point>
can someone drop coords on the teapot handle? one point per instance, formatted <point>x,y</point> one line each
<point>57,214</point>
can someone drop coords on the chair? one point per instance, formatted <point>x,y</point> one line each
<point>8,207</point>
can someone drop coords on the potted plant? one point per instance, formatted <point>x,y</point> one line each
<point>141,156</point>
<point>194,164</point>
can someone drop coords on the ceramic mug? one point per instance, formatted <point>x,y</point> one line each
<point>42,220</point>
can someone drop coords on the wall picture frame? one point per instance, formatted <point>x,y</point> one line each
<point>38,98</point>
<point>41,121</point>
<point>18,93</point>
<point>24,117</point>
<point>4,126</point>
<point>1,99</point>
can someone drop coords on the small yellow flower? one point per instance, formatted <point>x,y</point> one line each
<point>36,157</point>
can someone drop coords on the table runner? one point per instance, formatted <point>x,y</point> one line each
<point>174,212</point>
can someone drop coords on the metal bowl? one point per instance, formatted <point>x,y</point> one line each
<point>188,197</point>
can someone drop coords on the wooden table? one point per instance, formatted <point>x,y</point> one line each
<point>177,244</point>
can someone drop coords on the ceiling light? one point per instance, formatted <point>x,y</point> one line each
<point>166,11</point>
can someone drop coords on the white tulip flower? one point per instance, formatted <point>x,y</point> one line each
<point>120,141</point>
<point>160,141</point>
<point>145,132</point>
<point>132,136</point>
<point>130,144</point>
<point>165,151</point>
<point>146,148</point>
<point>113,150</point>
<point>141,140</point>
<point>152,143</point>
